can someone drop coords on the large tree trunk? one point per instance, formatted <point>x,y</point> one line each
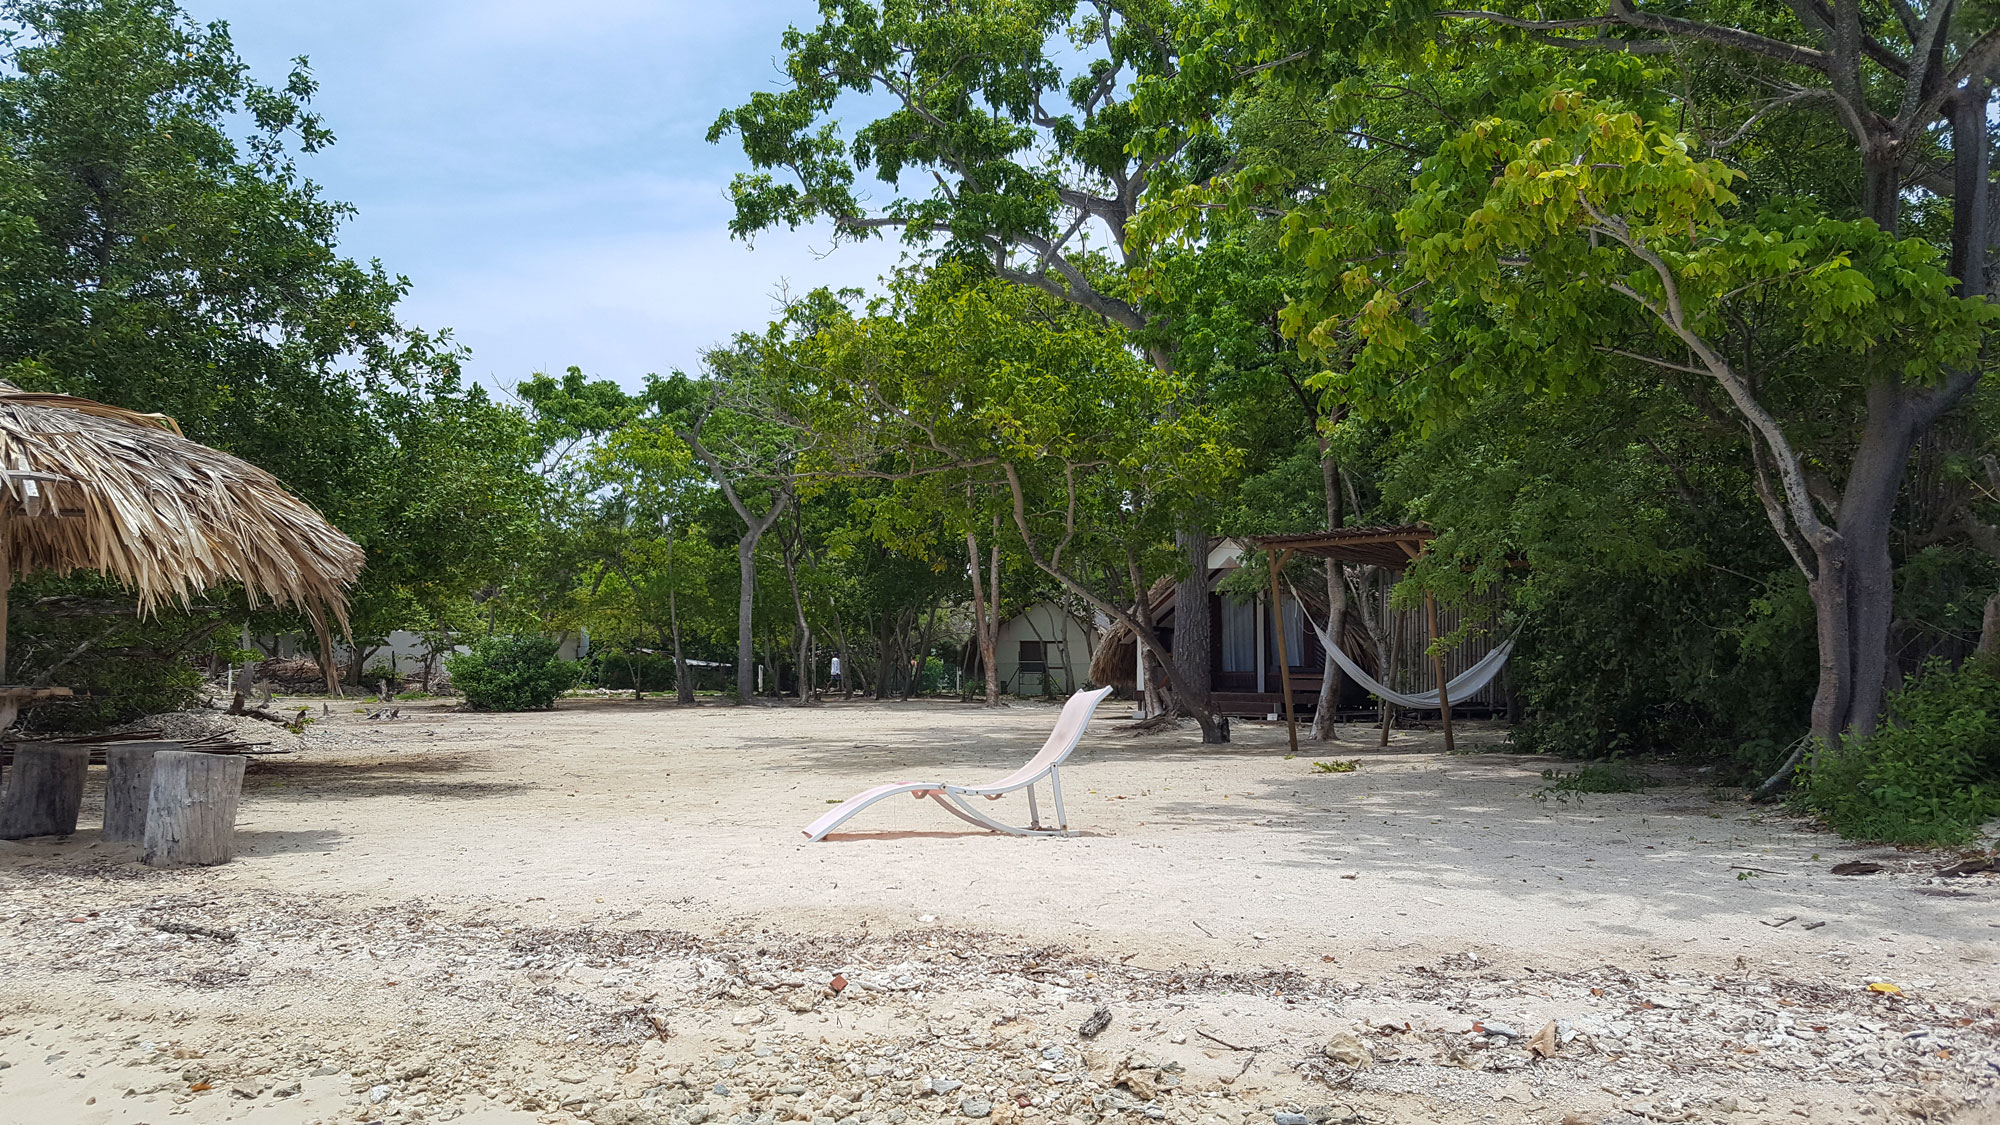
<point>1853,589</point>
<point>1854,592</point>
<point>1336,599</point>
<point>986,615</point>
<point>1193,635</point>
<point>746,605</point>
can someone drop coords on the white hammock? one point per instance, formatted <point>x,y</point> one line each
<point>1462,686</point>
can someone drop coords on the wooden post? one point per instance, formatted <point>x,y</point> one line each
<point>1389,657</point>
<point>1284,657</point>
<point>128,787</point>
<point>46,792</point>
<point>6,582</point>
<point>1444,692</point>
<point>191,810</point>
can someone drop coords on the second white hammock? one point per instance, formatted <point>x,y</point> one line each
<point>1462,685</point>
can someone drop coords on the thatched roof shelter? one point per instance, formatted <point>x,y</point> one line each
<point>86,486</point>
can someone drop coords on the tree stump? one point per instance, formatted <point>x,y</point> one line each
<point>128,788</point>
<point>45,791</point>
<point>191,808</point>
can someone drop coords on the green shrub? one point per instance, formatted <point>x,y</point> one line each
<point>511,673</point>
<point>1591,777</point>
<point>83,632</point>
<point>1930,775</point>
<point>647,671</point>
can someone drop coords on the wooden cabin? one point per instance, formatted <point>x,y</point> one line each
<point>1246,679</point>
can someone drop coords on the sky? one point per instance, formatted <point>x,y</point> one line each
<point>539,172</point>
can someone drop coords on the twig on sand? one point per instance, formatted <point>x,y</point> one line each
<point>1203,929</point>
<point>1224,1042</point>
<point>1758,870</point>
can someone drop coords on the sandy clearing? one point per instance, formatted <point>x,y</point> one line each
<point>608,816</point>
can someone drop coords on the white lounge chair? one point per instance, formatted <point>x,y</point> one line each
<point>1069,730</point>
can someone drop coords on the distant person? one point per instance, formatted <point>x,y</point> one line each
<point>833,676</point>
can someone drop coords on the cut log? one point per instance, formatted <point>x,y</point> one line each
<point>191,809</point>
<point>128,788</point>
<point>44,791</point>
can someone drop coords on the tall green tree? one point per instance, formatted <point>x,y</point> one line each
<point>1629,197</point>
<point>161,249</point>
<point>1018,121</point>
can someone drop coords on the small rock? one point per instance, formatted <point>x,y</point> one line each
<point>944,1085</point>
<point>747,1017</point>
<point>1507,1030</point>
<point>377,1095</point>
<point>976,1107</point>
<point>1053,1052</point>
<point>289,1090</point>
<point>804,999</point>
<point>1347,1049</point>
<point>1290,1119</point>
<point>719,1090</point>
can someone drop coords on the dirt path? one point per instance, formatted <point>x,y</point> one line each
<point>607,913</point>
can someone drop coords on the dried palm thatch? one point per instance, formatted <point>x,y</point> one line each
<point>94,487</point>
<point>1115,662</point>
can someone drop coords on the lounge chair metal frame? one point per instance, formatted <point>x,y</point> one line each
<point>1070,727</point>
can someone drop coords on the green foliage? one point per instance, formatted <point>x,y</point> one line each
<point>512,672</point>
<point>643,671</point>
<point>1930,775</point>
<point>1591,777</point>
<point>1338,766</point>
<point>85,634</point>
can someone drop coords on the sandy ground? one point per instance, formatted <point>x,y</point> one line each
<point>607,913</point>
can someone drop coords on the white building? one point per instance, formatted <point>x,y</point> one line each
<point>1044,650</point>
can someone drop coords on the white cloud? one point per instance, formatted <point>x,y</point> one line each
<point>540,172</point>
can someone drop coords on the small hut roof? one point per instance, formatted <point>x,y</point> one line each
<point>1391,547</point>
<point>1117,657</point>
<point>96,487</point>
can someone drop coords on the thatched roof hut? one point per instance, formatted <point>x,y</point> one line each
<point>87,486</point>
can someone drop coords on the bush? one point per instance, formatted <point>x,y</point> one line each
<point>618,670</point>
<point>1591,777</point>
<point>1930,775</point>
<point>511,673</point>
<point>82,632</point>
